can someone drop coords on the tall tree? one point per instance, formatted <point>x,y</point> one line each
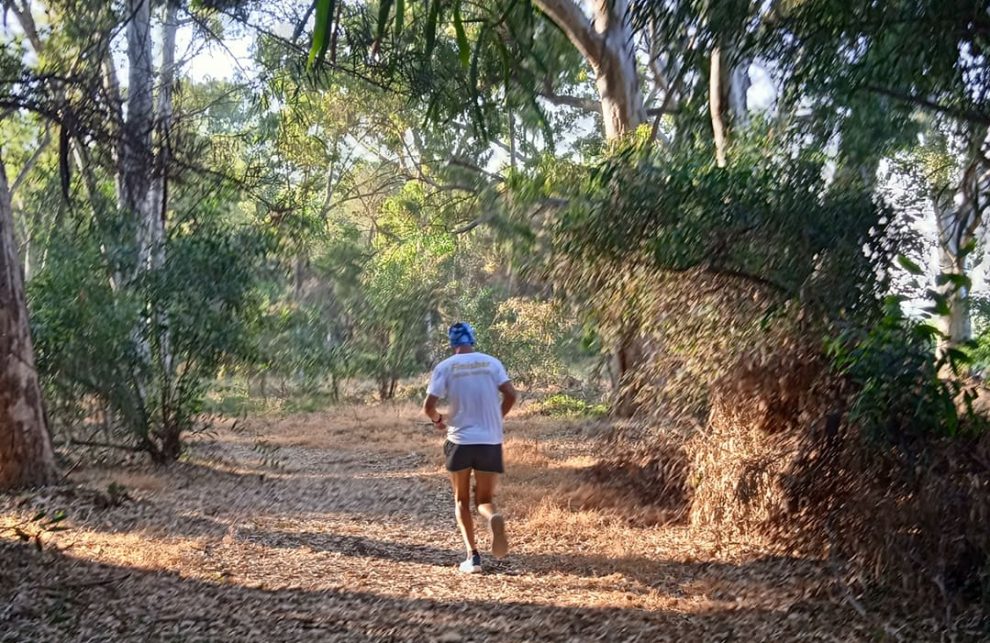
<point>864,59</point>
<point>606,40</point>
<point>26,456</point>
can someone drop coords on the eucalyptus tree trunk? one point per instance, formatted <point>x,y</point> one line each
<point>136,157</point>
<point>26,457</point>
<point>158,207</point>
<point>605,39</point>
<point>142,182</point>
<point>728,83</point>
<point>158,197</point>
<point>958,215</point>
<point>604,36</point>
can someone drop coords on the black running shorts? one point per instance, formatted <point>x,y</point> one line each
<point>480,457</point>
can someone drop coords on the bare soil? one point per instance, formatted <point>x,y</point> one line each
<point>339,526</point>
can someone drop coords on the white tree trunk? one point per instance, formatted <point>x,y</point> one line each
<point>716,88</point>
<point>958,215</point>
<point>615,71</point>
<point>157,200</point>
<point>158,195</point>
<point>606,41</point>
<point>727,87</point>
<point>26,457</point>
<point>956,326</point>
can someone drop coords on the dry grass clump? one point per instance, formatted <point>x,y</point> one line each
<point>916,514</point>
<point>780,463</point>
<point>757,411</point>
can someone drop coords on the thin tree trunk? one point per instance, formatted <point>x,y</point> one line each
<point>158,199</point>
<point>956,325</point>
<point>715,106</point>
<point>136,157</point>
<point>512,139</point>
<point>26,457</point>
<point>158,208</point>
<point>959,214</point>
<point>728,84</point>
<point>135,169</point>
<point>957,222</point>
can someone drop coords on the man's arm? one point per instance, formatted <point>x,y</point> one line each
<point>509,397</point>
<point>430,409</point>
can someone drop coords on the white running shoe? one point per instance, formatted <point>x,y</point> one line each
<point>472,565</point>
<point>500,545</point>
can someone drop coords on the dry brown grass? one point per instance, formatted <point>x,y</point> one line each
<point>340,527</point>
<point>780,466</point>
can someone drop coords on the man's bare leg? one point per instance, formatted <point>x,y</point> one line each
<point>461,483</point>
<point>484,496</point>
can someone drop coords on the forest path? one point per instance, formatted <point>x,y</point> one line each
<point>339,526</point>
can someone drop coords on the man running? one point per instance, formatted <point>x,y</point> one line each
<point>471,381</point>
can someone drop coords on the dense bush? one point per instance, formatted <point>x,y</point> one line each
<point>684,266</point>
<point>134,355</point>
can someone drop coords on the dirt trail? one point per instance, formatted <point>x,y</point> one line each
<point>339,526</point>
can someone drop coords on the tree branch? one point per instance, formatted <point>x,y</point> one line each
<point>485,218</point>
<point>589,105</point>
<point>569,17</point>
<point>474,168</point>
<point>968,115</point>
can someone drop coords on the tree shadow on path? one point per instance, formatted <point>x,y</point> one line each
<point>762,574</point>
<point>50,596</point>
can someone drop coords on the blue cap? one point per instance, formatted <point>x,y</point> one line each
<point>461,334</point>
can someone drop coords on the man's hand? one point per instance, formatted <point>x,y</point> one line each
<point>509,397</point>
<point>430,409</point>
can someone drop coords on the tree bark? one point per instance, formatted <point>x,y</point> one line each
<point>955,326</point>
<point>158,197</point>
<point>136,156</point>
<point>728,84</point>
<point>155,221</point>
<point>606,41</point>
<point>26,457</point>
<point>716,85</point>
<point>958,215</point>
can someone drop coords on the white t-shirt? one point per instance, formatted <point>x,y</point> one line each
<point>469,382</point>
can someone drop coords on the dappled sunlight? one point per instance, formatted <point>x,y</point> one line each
<point>360,522</point>
<point>169,603</point>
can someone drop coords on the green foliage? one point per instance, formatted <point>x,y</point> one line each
<point>768,218</point>
<point>563,405</point>
<point>897,392</point>
<point>688,266</point>
<point>90,321</point>
<point>535,337</point>
<point>979,353</point>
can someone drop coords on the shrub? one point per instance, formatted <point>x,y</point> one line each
<point>859,453</point>
<point>563,405</point>
<point>132,353</point>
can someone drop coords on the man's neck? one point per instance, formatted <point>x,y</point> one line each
<point>462,350</point>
